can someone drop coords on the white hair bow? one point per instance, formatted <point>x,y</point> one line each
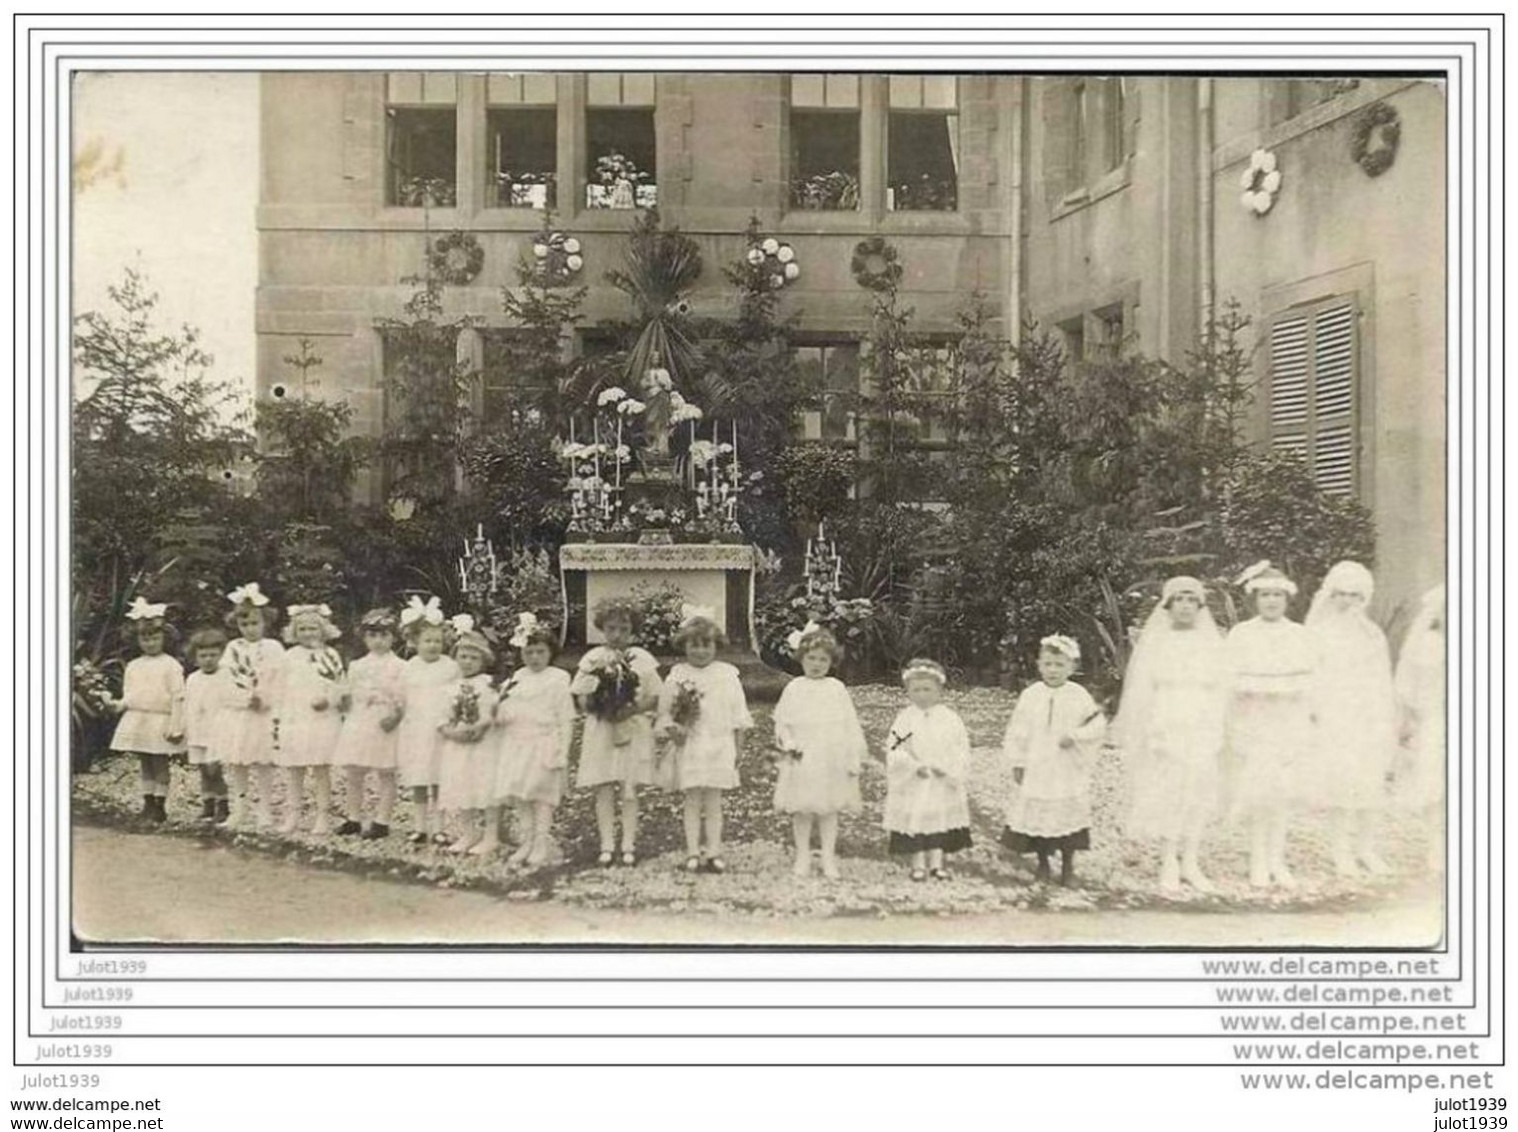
<point>462,623</point>
<point>527,623</point>
<point>293,611</point>
<point>1253,572</point>
<point>248,593</point>
<point>1061,643</point>
<point>689,613</point>
<point>799,635</point>
<point>431,611</point>
<point>141,610</point>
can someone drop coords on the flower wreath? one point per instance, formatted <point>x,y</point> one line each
<point>1260,182</point>
<point>456,258</point>
<point>556,257</point>
<point>875,264</point>
<point>1378,116</point>
<point>776,260</point>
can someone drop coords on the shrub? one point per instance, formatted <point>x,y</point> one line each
<point>815,479</point>
<point>661,605</point>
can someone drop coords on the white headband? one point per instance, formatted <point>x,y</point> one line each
<point>1063,644</point>
<point>930,668</point>
<point>689,613</point>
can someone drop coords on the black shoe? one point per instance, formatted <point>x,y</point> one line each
<point>348,828</point>
<point>223,811</point>
<point>375,832</point>
<point>159,814</point>
<point>148,808</point>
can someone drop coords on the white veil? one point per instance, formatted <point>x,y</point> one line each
<point>1136,709</point>
<point>1346,575</point>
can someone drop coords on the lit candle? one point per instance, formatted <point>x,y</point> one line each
<point>596,433</point>
<point>618,453</point>
<point>735,452</point>
<point>571,430</point>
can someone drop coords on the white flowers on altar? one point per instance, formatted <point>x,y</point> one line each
<point>611,395</point>
<point>703,452</point>
<point>630,407</point>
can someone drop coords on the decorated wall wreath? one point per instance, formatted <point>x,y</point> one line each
<point>1261,181</point>
<point>1376,136</point>
<point>876,265</point>
<point>456,258</point>
<point>776,259</point>
<point>556,258</point>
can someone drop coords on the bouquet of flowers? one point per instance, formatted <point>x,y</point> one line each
<point>610,688</point>
<point>685,705</point>
<point>329,666</point>
<point>464,714</point>
<point>92,692</point>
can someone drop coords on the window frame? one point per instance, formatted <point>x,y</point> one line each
<point>1316,423</point>
<point>954,112</point>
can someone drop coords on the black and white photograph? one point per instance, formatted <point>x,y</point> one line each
<point>828,508</point>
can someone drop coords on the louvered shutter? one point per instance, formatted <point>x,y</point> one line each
<point>1314,395</point>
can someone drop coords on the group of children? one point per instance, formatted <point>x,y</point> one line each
<point>1258,723</point>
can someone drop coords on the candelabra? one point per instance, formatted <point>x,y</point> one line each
<point>477,568</point>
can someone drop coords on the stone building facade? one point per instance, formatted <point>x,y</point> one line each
<point>1107,207</point>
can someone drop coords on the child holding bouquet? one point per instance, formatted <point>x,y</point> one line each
<point>702,711</point>
<point>151,707</point>
<point>535,716</point>
<point>367,742</point>
<point>1051,742</point>
<point>927,809</point>
<point>426,684</point>
<point>207,690</point>
<point>466,766</point>
<point>246,737</point>
<point>821,748</point>
<point>617,686</point>
<point>309,712</point>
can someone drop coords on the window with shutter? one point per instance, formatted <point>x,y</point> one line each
<point>1313,389</point>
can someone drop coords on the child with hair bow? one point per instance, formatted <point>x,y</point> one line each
<point>424,705</point>
<point>246,738</point>
<point>151,706</point>
<point>310,713</point>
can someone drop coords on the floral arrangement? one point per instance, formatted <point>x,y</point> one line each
<point>830,192</point>
<point>685,703</point>
<point>92,691</point>
<point>516,190</point>
<point>329,665</point>
<point>425,192</point>
<point>876,265</point>
<point>610,687</point>
<point>240,668</point>
<point>464,714</point>
<point>556,257</point>
<point>775,260</point>
<point>660,606</point>
<point>455,258</point>
<point>619,183</point>
<point>1260,182</point>
<point>926,194</point>
<point>614,167</point>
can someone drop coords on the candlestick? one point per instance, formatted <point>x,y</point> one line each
<point>571,430</point>
<point>618,453</point>
<point>596,431</point>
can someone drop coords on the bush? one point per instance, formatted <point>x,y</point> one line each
<point>661,606</point>
<point>815,479</point>
<point>518,478</point>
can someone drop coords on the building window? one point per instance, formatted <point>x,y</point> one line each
<point>1114,109</point>
<point>522,140</point>
<point>1073,331</point>
<point>922,144</point>
<point>935,385</point>
<point>621,151</point>
<point>1288,98</point>
<point>1107,331</point>
<point>831,371</point>
<point>502,384</point>
<point>1314,390</point>
<point>421,140</point>
<point>1088,126</point>
<point>824,133</point>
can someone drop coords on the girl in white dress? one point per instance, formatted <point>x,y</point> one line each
<point>821,749</point>
<point>367,742</point>
<point>1269,720</point>
<point>425,702</point>
<point>1170,727</point>
<point>245,740</point>
<point>309,713</point>
<point>1355,706</point>
<point>927,807</point>
<point>151,707</point>
<point>703,713</point>
<point>1419,775</point>
<point>207,691</point>
<point>1052,741</point>
<point>617,749</point>
<point>466,765</point>
<point>535,717</point>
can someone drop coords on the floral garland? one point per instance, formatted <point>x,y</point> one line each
<point>456,258</point>
<point>1260,182</point>
<point>776,260</point>
<point>1378,117</point>
<point>556,257</point>
<point>876,265</point>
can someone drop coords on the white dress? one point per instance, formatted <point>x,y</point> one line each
<point>246,734</point>
<point>815,720</point>
<point>706,756</point>
<point>467,766</point>
<point>1420,774</point>
<point>620,752</point>
<point>206,696</point>
<point>1355,705</point>
<point>306,734</point>
<point>150,689</point>
<point>425,699</point>
<point>1269,721</point>
<point>1054,800</point>
<point>374,692</point>
<point>536,717</point>
<point>1175,760</point>
<point>920,809</point>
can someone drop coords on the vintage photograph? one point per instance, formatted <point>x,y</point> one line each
<point>848,509</point>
